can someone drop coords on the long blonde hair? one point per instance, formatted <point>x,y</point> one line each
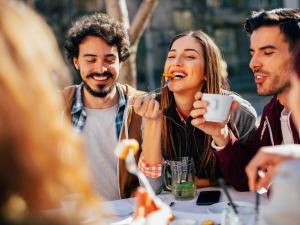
<point>41,158</point>
<point>211,84</point>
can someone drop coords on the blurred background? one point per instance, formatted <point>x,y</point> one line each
<point>221,19</point>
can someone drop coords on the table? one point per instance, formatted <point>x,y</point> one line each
<point>125,207</point>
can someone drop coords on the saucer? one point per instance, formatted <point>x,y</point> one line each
<point>221,206</point>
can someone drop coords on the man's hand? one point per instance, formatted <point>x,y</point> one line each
<point>267,162</point>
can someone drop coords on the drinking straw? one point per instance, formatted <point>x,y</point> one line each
<point>224,187</point>
<point>257,195</point>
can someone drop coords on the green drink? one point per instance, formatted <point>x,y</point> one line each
<point>181,181</point>
<point>184,191</point>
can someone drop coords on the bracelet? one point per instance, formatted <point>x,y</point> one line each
<point>218,148</point>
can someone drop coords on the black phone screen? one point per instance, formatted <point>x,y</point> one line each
<point>208,197</point>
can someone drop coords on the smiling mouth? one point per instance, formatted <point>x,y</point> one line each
<point>178,76</point>
<point>100,78</point>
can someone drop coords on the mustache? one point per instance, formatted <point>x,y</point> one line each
<point>106,73</point>
<point>260,71</point>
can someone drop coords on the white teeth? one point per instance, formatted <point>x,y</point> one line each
<point>177,78</point>
<point>179,74</point>
<point>100,77</point>
<point>259,77</point>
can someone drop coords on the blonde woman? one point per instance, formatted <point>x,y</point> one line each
<point>41,159</point>
<point>169,130</point>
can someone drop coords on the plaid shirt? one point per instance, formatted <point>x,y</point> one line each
<point>152,171</point>
<point>79,114</point>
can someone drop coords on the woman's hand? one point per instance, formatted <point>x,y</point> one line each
<point>218,131</point>
<point>146,106</point>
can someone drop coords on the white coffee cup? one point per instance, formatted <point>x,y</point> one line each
<point>218,107</point>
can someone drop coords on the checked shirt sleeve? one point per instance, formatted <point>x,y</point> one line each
<point>152,171</point>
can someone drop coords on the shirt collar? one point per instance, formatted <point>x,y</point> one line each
<point>78,101</point>
<point>122,98</point>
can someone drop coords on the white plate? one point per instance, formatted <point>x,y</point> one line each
<point>221,206</point>
<point>197,217</point>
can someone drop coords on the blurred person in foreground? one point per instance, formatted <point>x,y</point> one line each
<point>272,66</point>
<point>41,158</point>
<point>42,164</point>
<point>283,165</point>
<point>97,45</point>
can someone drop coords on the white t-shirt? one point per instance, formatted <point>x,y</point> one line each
<point>287,134</point>
<point>100,140</point>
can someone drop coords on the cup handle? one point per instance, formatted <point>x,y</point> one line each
<point>165,175</point>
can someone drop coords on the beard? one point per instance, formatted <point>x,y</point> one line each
<point>276,88</point>
<point>102,90</point>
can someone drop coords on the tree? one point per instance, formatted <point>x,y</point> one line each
<point>118,10</point>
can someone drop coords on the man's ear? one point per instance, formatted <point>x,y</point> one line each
<point>75,62</point>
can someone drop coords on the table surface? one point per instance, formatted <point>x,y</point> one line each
<point>125,207</point>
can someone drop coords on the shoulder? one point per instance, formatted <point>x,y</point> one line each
<point>130,91</point>
<point>69,91</point>
<point>68,94</point>
<point>272,105</point>
<point>245,106</point>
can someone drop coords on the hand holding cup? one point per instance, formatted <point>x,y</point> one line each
<point>211,114</point>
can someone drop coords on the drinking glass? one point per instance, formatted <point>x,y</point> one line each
<point>182,182</point>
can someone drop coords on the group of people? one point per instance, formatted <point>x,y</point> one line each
<point>53,144</point>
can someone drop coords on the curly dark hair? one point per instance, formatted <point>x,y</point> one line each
<point>100,25</point>
<point>287,19</point>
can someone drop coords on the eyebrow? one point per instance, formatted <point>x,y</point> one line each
<point>89,55</point>
<point>186,49</point>
<point>94,55</point>
<point>264,48</point>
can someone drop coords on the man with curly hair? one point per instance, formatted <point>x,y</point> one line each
<point>97,45</point>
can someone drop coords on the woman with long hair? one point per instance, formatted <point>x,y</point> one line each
<point>194,63</point>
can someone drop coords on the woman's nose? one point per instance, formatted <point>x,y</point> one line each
<point>178,61</point>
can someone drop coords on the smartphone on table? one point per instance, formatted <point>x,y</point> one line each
<point>208,197</point>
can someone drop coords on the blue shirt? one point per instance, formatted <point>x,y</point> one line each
<point>79,114</point>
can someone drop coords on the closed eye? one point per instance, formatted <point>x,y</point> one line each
<point>91,60</point>
<point>268,53</point>
<point>171,57</point>
<point>190,57</point>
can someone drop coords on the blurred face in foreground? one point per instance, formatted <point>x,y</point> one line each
<point>185,61</point>
<point>271,60</point>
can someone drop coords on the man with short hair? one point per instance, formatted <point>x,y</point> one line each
<point>273,38</point>
<point>97,45</point>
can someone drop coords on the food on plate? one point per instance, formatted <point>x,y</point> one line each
<point>125,146</point>
<point>207,222</point>
<point>171,217</point>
